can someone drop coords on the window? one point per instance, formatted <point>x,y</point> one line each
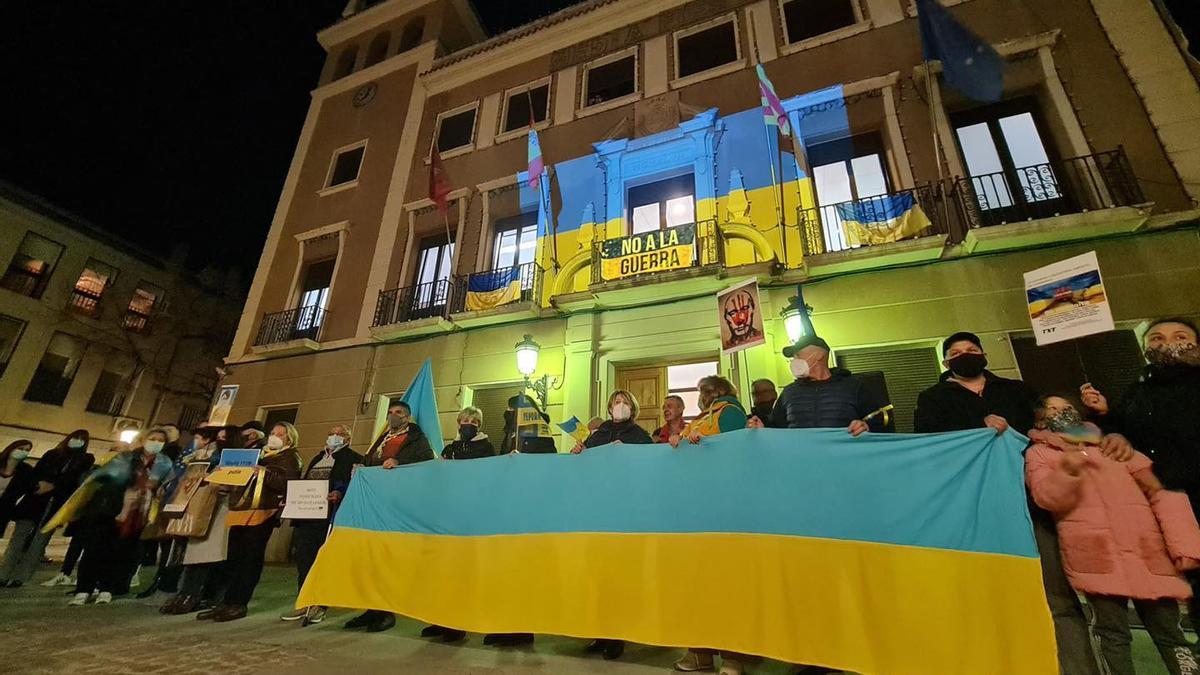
<point>898,374</point>
<point>273,416</point>
<point>346,164</point>
<point>663,204</point>
<point>52,379</point>
<point>413,31</point>
<point>681,381</point>
<point>1110,361</point>
<point>314,297</point>
<point>378,49</point>
<point>10,334</point>
<point>90,286</point>
<point>493,401</point>
<point>706,47</point>
<point>141,305</point>
<point>522,102</point>
<point>112,387</point>
<point>610,79</point>
<point>192,416</point>
<point>456,129</point>
<point>516,241</point>
<point>844,170</point>
<point>1007,155</point>
<point>29,271</point>
<point>432,284</point>
<point>804,19</point>
<point>345,62</point>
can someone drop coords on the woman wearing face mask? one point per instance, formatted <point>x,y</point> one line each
<point>253,516</point>
<point>111,522</point>
<point>470,443</point>
<point>620,426</point>
<point>16,482</point>
<point>334,463</point>
<point>1111,518</point>
<point>57,474</point>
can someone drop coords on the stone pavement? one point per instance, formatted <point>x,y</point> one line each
<point>40,634</point>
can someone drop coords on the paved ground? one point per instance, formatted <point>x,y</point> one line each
<point>40,634</point>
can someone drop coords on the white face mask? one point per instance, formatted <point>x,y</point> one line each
<point>274,442</point>
<point>621,412</point>
<point>75,443</point>
<point>19,455</point>
<point>799,368</point>
<point>333,442</point>
<point>153,447</point>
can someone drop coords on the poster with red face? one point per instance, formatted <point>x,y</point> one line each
<point>740,317</point>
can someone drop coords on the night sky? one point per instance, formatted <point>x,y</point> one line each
<point>173,121</point>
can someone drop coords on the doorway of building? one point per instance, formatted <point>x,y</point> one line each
<point>650,384</point>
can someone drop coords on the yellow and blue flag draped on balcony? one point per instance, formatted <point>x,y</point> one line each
<point>488,290</point>
<point>882,220</point>
<point>897,554</point>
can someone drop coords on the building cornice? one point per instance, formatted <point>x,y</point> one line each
<point>363,22</point>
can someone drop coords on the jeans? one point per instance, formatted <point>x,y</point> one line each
<point>1110,621</point>
<point>244,564</point>
<point>24,552</point>
<point>1075,655</point>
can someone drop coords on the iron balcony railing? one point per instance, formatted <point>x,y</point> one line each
<point>301,323</point>
<point>626,260</point>
<point>907,214</point>
<point>410,303</point>
<point>85,302</point>
<point>1098,181</point>
<point>492,289</point>
<point>136,322</point>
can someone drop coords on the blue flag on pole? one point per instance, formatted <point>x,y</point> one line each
<point>971,65</point>
<point>420,397</point>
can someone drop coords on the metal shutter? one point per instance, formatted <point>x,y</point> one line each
<point>1110,361</point>
<point>493,402</point>
<point>909,371</point>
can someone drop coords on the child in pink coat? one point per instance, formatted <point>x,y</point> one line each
<point>1114,549</point>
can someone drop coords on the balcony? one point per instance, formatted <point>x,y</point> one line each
<point>511,291</point>
<point>291,331</point>
<point>136,322</point>
<point>85,302</point>
<point>412,310</point>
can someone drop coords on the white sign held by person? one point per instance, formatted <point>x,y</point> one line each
<point>1067,300</point>
<point>307,500</point>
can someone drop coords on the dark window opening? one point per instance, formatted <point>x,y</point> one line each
<point>662,204</point>
<point>345,62</point>
<point>520,105</point>
<point>378,49</point>
<point>611,80</point>
<point>707,49</point>
<point>10,334</point>
<point>56,371</point>
<point>412,34</point>
<point>456,131</point>
<point>29,270</point>
<point>806,19</point>
<point>276,415</point>
<point>346,166</point>
<point>109,395</point>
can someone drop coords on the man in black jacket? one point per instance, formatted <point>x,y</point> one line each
<point>822,397</point>
<point>334,463</point>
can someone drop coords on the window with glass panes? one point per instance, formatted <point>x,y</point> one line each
<point>681,382</point>
<point>845,170</point>
<point>662,204</point>
<point>516,241</point>
<point>610,80</point>
<point>1007,154</point>
<point>521,103</point>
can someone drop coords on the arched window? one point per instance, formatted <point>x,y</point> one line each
<point>411,37</point>
<point>377,51</point>
<point>345,62</point>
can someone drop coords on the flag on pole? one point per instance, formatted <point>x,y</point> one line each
<point>773,113</point>
<point>970,64</point>
<point>536,165</point>
<point>439,184</point>
<point>421,399</point>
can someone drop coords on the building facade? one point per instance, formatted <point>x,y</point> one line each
<point>664,186</point>
<point>98,334</point>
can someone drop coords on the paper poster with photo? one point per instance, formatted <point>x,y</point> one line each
<point>1067,300</point>
<point>189,482</point>
<point>740,318</point>
<point>222,406</point>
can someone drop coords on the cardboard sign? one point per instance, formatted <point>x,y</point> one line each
<point>657,251</point>
<point>740,318</point>
<point>1067,300</point>
<point>189,482</point>
<point>237,467</point>
<point>307,500</point>
<point>239,458</point>
<point>224,403</point>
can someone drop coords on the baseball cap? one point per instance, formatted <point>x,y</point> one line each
<point>805,341</point>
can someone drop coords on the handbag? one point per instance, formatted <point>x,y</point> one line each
<point>198,515</point>
<point>1181,533</point>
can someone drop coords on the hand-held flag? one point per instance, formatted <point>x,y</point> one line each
<point>421,400</point>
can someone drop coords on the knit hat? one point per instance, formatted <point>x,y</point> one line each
<point>959,337</point>
<point>805,341</point>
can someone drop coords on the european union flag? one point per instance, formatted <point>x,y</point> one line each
<point>971,65</point>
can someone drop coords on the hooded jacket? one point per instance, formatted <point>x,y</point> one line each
<point>949,406</point>
<point>832,403</point>
<point>477,447</point>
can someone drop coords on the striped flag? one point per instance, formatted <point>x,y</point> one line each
<point>536,165</point>
<point>773,114</point>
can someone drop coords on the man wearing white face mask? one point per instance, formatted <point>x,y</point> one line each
<point>334,463</point>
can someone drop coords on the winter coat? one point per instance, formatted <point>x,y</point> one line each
<point>479,446</point>
<point>1110,538</point>
<point>611,432</point>
<point>832,403</point>
<point>344,461</point>
<point>277,469</point>
<point>722,415</point>
<point>415,448</point>
<point>62,467</point>
<point>23,484</point>
<point>949,406</point>
<point>1160,415</point>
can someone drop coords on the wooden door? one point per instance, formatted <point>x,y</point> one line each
<point>649,387</point>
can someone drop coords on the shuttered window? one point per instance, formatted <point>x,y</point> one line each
<point>493,402</point>
<point>1110,361</point>
<point>907,370</point>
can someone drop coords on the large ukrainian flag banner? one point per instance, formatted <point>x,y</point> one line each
<point>891,554</point>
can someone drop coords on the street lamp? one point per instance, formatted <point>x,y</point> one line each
<point>795,319</point>
<point>527,360</point>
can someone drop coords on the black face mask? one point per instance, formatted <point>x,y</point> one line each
<point>968,364</point>
<point>763,410</point>
<point>467,431</point>
<point>510,419</point>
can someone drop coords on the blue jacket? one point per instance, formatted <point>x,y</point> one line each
<point>836,402</point>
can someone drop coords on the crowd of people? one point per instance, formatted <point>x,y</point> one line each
<point>1114,491</point>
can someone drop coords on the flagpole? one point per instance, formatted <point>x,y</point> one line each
<point>553,229</point>
<point>776,188</point>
